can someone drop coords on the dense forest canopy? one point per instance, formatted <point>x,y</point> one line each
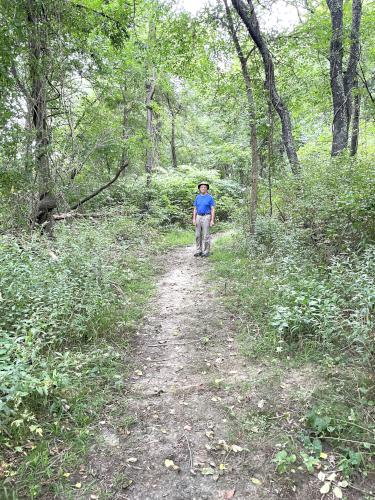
<point>91,88</point>
<point>111,111</point>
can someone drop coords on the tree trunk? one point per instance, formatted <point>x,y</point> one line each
<point>355,121</point>
<point>125,128</point>
<point>150,90</point>
<point>174,109</point>
<point>270,154</point>
<point>173,140</point>
<point>342,84</point>
<point>252,120</point>
<point>248,16</point>
<point>38,67</point>
<point>254,179</point>
<point>340,119</point>
<point>157,137</point>
<point>102,188</point>
<point>350,79</point>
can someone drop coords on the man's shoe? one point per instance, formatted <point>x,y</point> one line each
<point>205,254</point>
<point>198,254</point>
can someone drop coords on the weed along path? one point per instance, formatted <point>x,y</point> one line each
<point>179,442</point>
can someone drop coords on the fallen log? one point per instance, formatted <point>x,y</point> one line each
<point>71,215</point>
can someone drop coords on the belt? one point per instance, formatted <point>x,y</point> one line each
<point>203,214</point>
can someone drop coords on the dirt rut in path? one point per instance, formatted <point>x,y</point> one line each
<point>181,444</point>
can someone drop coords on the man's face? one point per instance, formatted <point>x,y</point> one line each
<point>203,189</point>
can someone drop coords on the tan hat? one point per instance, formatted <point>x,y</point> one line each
<point>205,183</point>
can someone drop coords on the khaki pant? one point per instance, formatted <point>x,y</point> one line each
<point>202,233</point>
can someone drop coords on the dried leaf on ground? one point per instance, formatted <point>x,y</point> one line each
<point>325,488</point>
<point>321,476</point>
<point>343,484</point>
<point>170,464</point>
<point>236,448</point>
<point>337,492</point>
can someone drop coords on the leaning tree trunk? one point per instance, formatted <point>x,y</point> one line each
<point>248,16</point>
<point>252,120</point>
<point>38,67</point>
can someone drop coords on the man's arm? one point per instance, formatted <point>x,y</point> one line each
<point>212,221</point>
<point>194,216</point>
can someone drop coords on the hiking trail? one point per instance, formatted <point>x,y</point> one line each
<point>184,396</point>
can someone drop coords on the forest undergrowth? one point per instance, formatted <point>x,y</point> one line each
<point>71,307</point>
<point>295,309</point>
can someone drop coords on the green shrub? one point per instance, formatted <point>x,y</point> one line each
<point>334,198</point>
<point>333,306</point>
<point>281,285</point>
<point>172,195</point>
<point>56,298</point>
<point>169,200</point>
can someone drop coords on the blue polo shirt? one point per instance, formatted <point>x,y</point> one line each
<point>203,203</point>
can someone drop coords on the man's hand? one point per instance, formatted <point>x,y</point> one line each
<point>211,223</point>
<point>194,222</point>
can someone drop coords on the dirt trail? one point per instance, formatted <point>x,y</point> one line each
<point>184,355</point>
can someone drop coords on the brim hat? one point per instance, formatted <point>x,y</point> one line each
<point>204,183</point>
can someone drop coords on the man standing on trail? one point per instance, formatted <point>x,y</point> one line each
<point>203,219</point>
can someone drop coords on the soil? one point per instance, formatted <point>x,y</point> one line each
<point>189,391</point>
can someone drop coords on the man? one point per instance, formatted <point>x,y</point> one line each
<point>203,219</point>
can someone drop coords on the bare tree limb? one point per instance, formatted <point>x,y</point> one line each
<point>102,188</point>
<point>365,83</point>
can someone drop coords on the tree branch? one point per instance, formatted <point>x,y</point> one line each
<point>365,83</point>
<point>103,14</point>
<point>21,86</point>
<point>102,188</point>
